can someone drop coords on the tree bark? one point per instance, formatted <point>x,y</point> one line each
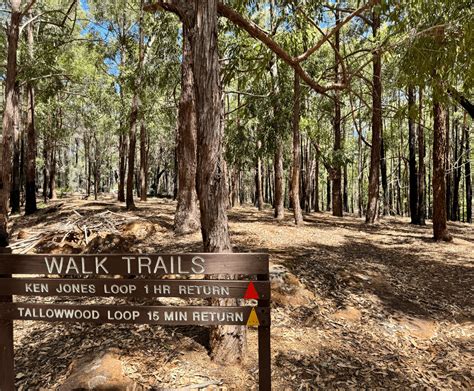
<point>45,168</point>
<point>279,181</point>
<point>383,174</point>
<point>132,137</point>
<point>52,174</point>
<point>414,210</point>
<point>134,115</point>
<point>316,184</point>
<point>187,211</point>
<point>440,229</point>
<point>30,170</point>
<point>143,162</point>
<point>295,179</point>
<point>227,342</point>
<point>337,205</point>
<point>373,197</point>
<point>421,162</point>
<point>8,120</point>
<point>258,178</point>
<point>467,171</point>
<point>279,202</point>
<point>448,168</point>
<point>457,168</point>
<point>123,147</point>
<point>16,166</point>
<point>211,182</point>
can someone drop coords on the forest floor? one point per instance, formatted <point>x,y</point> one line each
<point>361,307</point>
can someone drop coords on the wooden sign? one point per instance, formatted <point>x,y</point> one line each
<point>172,316</point>
<point>145,267</point>
<point>134,265</point>
<point>106,287</point>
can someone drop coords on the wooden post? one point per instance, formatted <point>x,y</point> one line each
<point>264,347</point>
<point>7,375</point>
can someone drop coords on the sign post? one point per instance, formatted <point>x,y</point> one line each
<point>148,267</point>
<point>264,345</point>
<point>7,373</point>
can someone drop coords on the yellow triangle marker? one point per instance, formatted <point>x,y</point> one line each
<point>253,318</point>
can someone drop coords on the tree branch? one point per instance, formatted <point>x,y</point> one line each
<point>462,100</point>
<point>28,7</point>
<point>338,26</point>
<point>255,31</point>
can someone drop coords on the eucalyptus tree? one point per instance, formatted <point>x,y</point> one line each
<point>11,107</point>
<point>437,39</point>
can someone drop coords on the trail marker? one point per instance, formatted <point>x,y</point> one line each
<point>253,319</point>
<point>148,267</point>
<point>251,292</point>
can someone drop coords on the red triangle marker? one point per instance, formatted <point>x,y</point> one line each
<point>251,292</point>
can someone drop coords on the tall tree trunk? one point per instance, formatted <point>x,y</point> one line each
<point>16,166</point>
<point>143,162</point>
<point>227,342</point>
<point>316,184</point>
<point>414,211</point>
<point>31,150</point>
<point>345,192</point>
<point>279,202</point>
<point>440,229</point>
<point>187,211</point>
<point>45,168</point>
<point>345,182</point>
<point>372,207</point>
<point>457,169</point>
<point>421,162</point>
<point>8,120</point>
<point>360,177</point>
<point>279,181</point>
<point>123,147</point>
<point>258,178</point>
<point>448,168</point>
<point>337,202</point>
<point>309,180</point>
<point>295,181</point>
<point>235,199</point>
<point>52,174</point>
<point>132,137</point>
<point>383,174</point>
<point>30,171</point>
<point>467,170</point>
<point>134,116</point>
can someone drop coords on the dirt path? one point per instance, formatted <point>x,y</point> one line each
<point>389,308</point>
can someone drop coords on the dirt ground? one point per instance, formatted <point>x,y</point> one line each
<point>380,307</point>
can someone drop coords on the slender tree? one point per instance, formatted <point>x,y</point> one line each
<point>372,207</point>
<point>187,211</point>
<point>295,178</point>
<point>8,120</point>
<point>421,161</point>
<point>413,193</point>
<point>467,172</point>
<point>31,143</point>
<point>440,228</point>
<point>337,199</point>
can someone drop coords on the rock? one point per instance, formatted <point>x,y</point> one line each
<point>349,314</point>
<point>140,229</point>
<point>99,373</point>
<point>287,288</point>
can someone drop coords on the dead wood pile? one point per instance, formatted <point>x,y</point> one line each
<point>79,233</point>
